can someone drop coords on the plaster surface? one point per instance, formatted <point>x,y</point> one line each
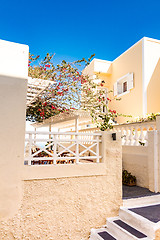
<point>65,208</point>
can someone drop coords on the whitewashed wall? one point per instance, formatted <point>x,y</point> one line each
<point>13,89</point>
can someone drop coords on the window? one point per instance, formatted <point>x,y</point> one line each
<point>125,87</point>
<point>123,84</point>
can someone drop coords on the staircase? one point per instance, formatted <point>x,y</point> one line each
<point>135,222</point>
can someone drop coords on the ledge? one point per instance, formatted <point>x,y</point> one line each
<point>135,150</point>
<point>34,172</point>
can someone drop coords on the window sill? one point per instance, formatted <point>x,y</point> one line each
<point>121,94</point>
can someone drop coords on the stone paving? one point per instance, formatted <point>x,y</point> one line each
<point>135,192</point>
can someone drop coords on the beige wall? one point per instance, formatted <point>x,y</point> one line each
<point>152,77</point>
<point>62,209</point>
<point>64,170</point>
<point>128,62</point>
<point>143,59</point>
<point>13,88</point>
<point>153,90</point>
<point>135,161</point>
<point>144,161</point>
<point>68,207</point>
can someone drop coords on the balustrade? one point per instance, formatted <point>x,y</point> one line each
<point>135,134</point>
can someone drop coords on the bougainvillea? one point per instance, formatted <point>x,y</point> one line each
<point>71,90</point>
<point>62,95</point>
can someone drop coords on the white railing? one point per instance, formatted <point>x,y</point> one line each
<point>135,134</point>
<point>59,148</point>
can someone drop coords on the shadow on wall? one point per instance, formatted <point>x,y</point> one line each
<point>153,89</point>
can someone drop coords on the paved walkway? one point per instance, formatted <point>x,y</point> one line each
<point>135,192</point>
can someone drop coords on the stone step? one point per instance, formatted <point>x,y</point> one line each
<point>101,234</point>
<point>106,235</point>
<point>129,229</point>
<point>138,222</point>
<point>122,231</point>
<point>141,201</point>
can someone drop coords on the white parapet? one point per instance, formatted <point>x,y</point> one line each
<point>13,91</point>
<point>13,59</point>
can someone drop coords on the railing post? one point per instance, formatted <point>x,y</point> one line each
<point>97,149</point>
<point>55,150</point>
<point>136,137</point>
<point>131,136</point>
<point>77,148</point>
<point>123,136</point>
<point>141,137</point>
<point>127,136</point>
<point>30,149</point>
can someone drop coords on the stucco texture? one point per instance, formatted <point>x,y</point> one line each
<point>157,235</point>
<point>65,208</point>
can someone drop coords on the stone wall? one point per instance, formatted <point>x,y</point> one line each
<point>62,209</point>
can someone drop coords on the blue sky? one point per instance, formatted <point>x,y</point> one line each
<point>76,29</point>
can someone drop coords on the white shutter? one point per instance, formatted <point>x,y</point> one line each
<point>115,89</point>
<point>130,81</point>
<point>119,88</point>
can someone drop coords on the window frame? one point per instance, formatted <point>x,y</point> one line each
<point>119,85</point>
